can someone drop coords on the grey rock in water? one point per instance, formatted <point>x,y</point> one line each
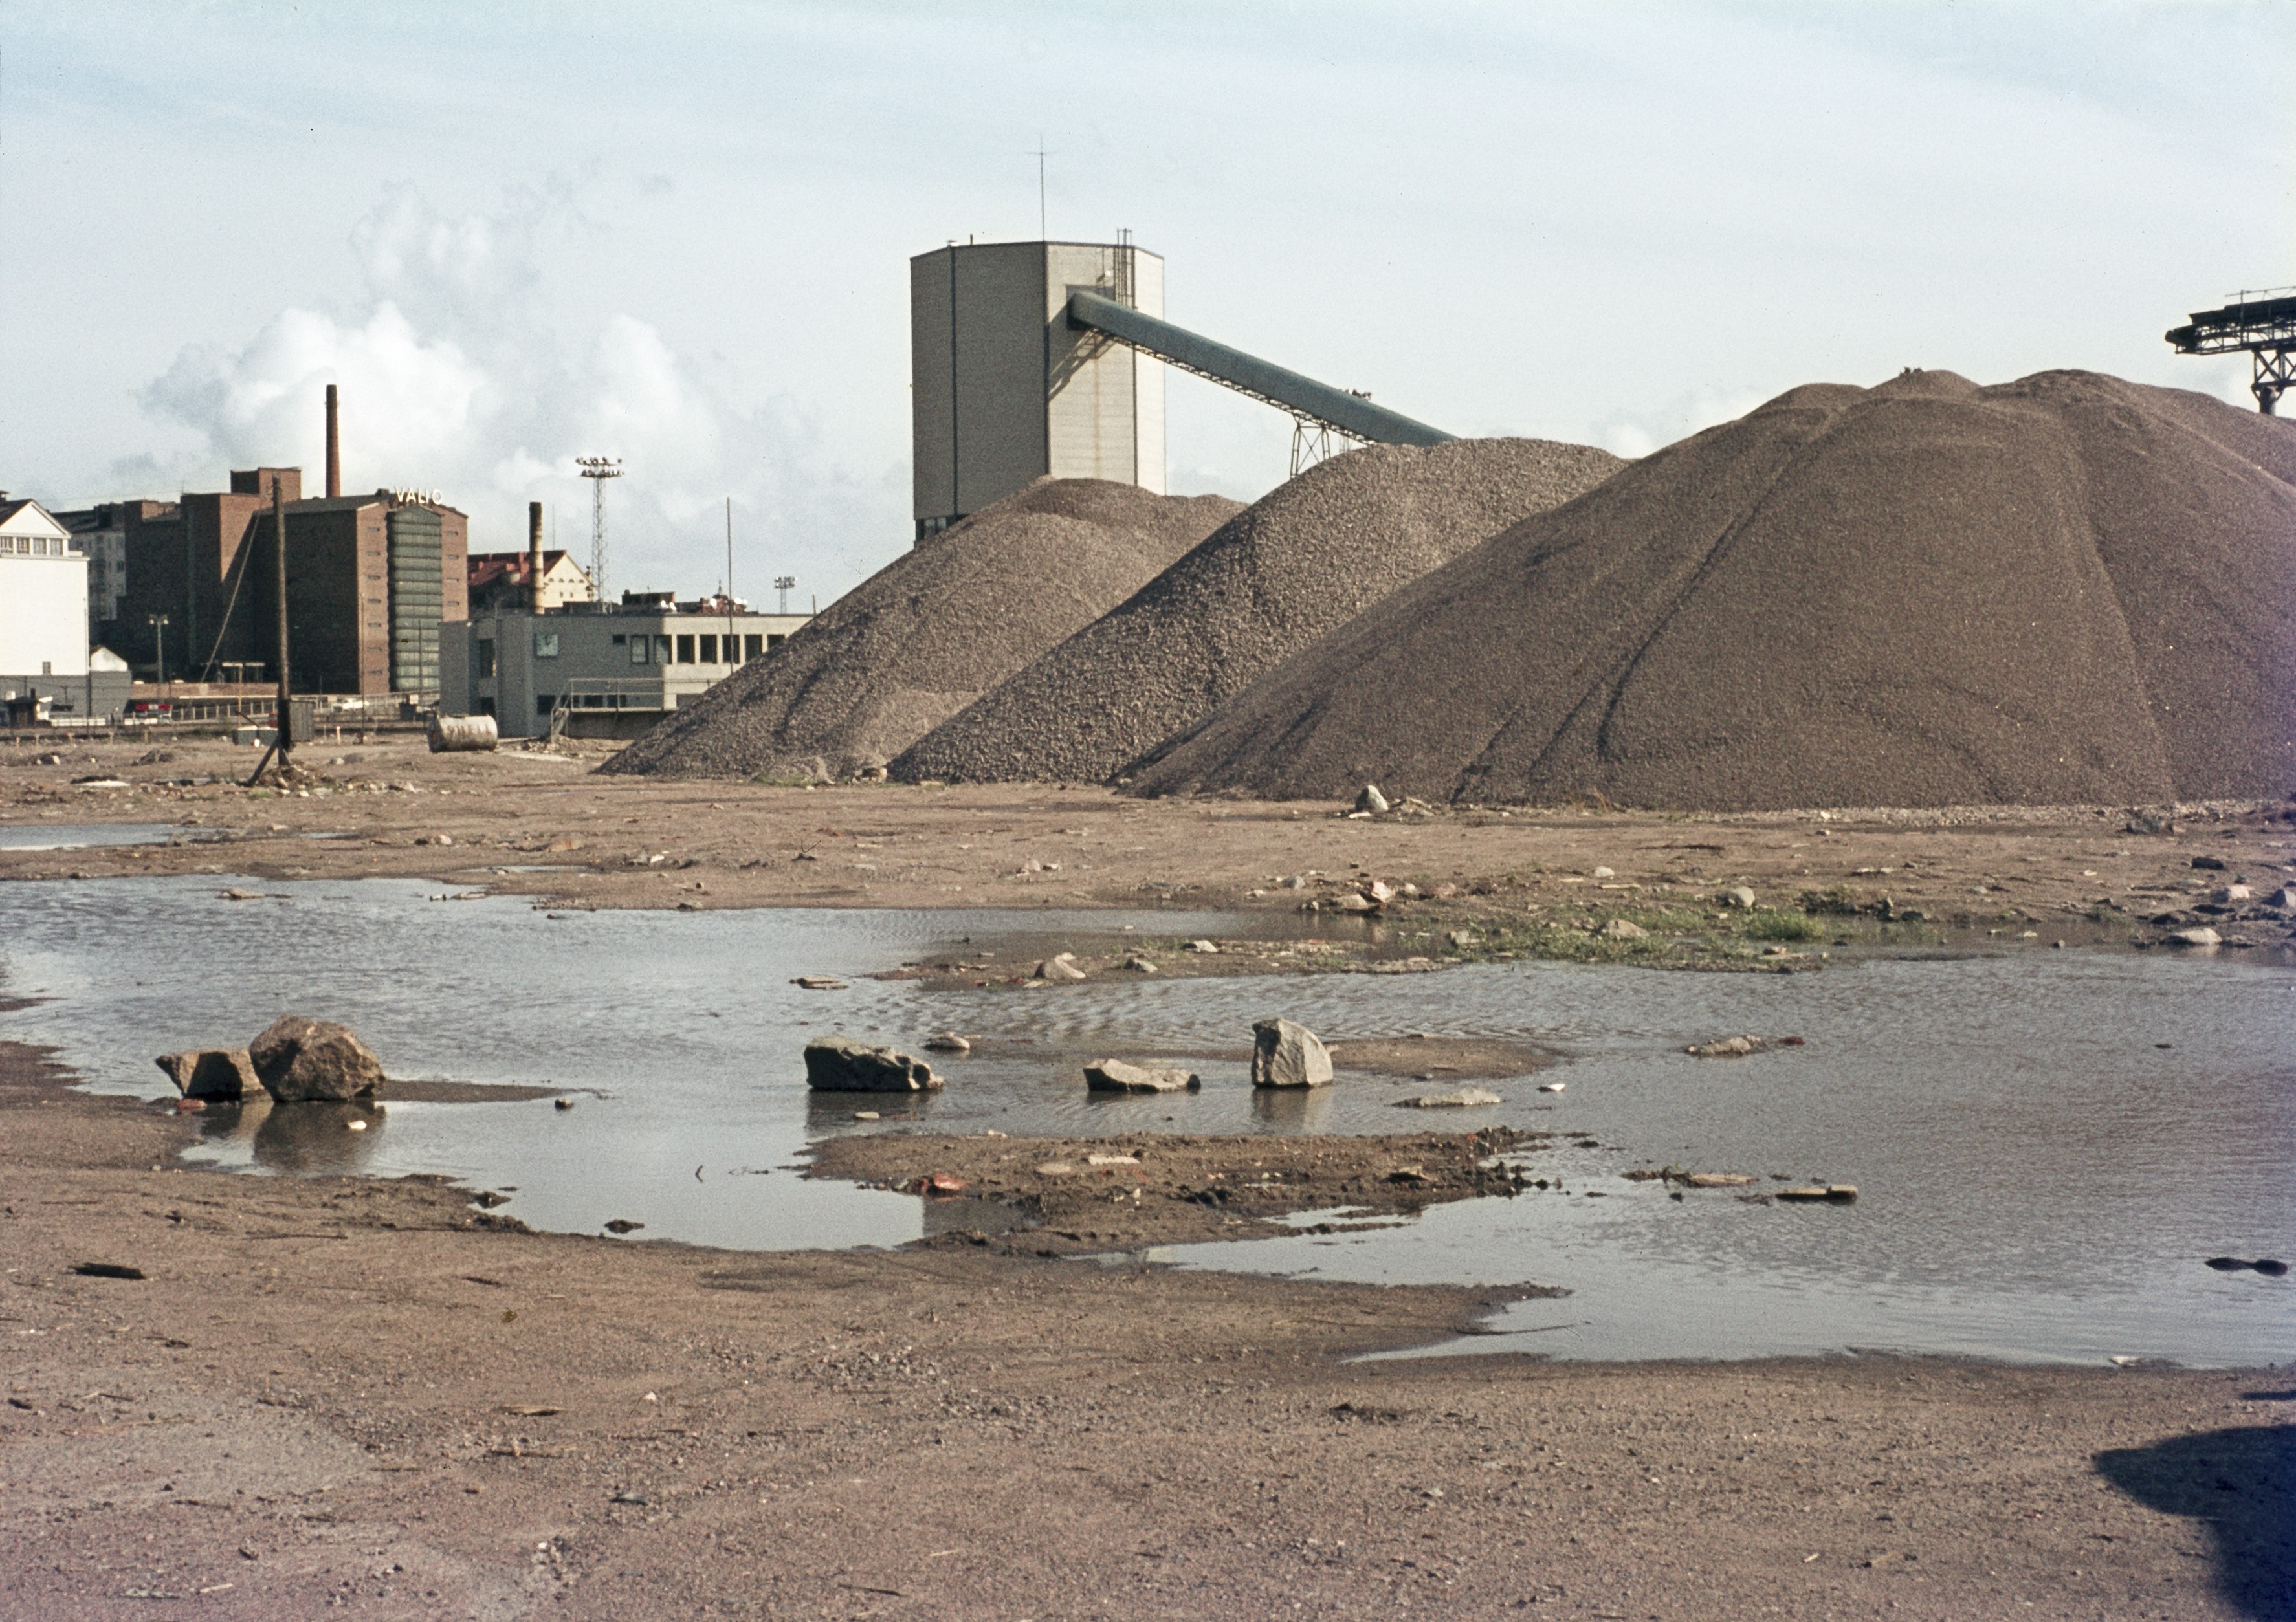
<point>843,1064</point>
<point>2201,936</point>
<point>1284,1055</point>
<point>1115,1075</point>
<point>298,1059</point>
<point>211,1072</point>
<point>1468,1098</point>
<point>1062,969</point>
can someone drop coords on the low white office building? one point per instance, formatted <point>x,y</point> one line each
<point>601,670</point>
<point>44,674</point>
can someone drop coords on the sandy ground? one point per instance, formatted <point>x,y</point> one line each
<point>375,1396</point>
<point>367,1396</point>
<point>1512,882</point>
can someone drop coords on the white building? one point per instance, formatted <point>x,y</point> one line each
<point>43,642</point>
<point>614,669</point>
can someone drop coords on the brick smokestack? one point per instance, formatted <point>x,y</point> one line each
<point>534,555</point>
<point>334,448</point>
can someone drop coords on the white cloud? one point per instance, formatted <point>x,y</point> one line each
<point>453,377</point>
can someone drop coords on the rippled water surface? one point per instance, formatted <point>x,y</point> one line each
<point>2047,1144</point>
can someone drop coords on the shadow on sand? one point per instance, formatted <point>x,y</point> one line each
<point>2241,1485</point>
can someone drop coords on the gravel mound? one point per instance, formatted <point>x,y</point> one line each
<point>926,634</point>
<point>2064,590</point>
<point>1305,560</point>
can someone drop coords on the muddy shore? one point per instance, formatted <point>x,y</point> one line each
<point>375,1395</point>
<point>1488,883</point>
<point>343,1392</point>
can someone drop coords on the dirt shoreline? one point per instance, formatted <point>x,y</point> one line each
<point>1492,883</point>
<point>343,1392</point>
<point>375,1395</point>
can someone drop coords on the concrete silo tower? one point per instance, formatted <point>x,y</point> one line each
<point>1007,388</point>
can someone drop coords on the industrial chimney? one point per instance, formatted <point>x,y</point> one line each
<point>334,448</point>
<point>534,555</point>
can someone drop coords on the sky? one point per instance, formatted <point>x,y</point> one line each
<point>677,234</point>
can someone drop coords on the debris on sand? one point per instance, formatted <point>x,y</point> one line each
<point>929,633</point>
<point>2066,590</point>
<point>1468,1098</point>
<point>1839,1193</point>
<point>843,1064</point>
<point>1302,560</point>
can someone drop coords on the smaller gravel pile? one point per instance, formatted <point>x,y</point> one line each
<point>1304,560</point>
<point>926,634</point>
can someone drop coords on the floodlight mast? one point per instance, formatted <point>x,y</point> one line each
<point>2264,323</point>
<point>598,469</point>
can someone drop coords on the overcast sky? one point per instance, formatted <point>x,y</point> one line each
<point>678,233</point>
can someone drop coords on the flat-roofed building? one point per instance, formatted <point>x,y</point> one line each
<point>601,670</point>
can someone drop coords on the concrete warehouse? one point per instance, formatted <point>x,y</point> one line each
<point>45,669</point>
<point>609,670</point>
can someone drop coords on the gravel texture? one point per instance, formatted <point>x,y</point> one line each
<point>2066,589</point>
<point>926,634</point>
<point>1303,560</point>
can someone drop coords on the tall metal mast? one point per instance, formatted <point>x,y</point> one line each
<point>598,469</point>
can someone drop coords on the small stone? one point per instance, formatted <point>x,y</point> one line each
<point>2200,936</point>
<point>1286,1054</point>
<point>2231,893</point>
<point>1056,1168</point>
<point>1353,902</point>
<point>1371,799</point>
<point>947,1042</point>
<point>1380,890</point>
<point>2210,864</point>
<point>1729,1047</point>
<point>1291,882</point>
<point>623,1225</point>
<point>211,1072</point>
<point>1739,896</point>
<point>1206,948</point>
<point>1061,970</point>
<point>819,982</point>
<point>1468,1098</point>
<point>867,1115</point>
<point>1716,1179</point>
<point>1550,1087</point>
<point>1112,1159</point>
<point>1464,937</point>
<point>2284,899</point>
<point>1620,928</point>
<point>1604,872</point>
<point>842,1064</point>
<point>1138,964</point>
<point>1115,1075</point>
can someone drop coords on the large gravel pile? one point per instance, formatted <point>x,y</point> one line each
<point>2066,589</point>
<point>926,634</point>
<point>1305,560</point>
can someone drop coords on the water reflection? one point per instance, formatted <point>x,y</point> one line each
<point>1291,1109</point>
<point>323,1139</point>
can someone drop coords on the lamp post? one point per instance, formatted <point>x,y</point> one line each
<point>159,624</point>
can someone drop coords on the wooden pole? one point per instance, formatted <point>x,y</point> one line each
<point>279,584</point>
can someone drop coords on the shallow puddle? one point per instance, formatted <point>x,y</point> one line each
<point>2047,1144</point>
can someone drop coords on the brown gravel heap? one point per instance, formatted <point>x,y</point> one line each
<point>1303,560</point>
<point>929,633</point>
<point>2064,590</point>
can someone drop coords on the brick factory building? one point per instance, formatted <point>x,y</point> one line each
<point>369,581</point>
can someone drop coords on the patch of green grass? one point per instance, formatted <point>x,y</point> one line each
<point>1768,924</point>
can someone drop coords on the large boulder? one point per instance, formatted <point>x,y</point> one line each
<point>298,1058</point>
<point>1288,1055</point>
<point>1115,1075</point>
<point>840,1064</point>
<point>210,1072</point>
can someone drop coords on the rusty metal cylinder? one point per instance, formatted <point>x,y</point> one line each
<point>454,734</point>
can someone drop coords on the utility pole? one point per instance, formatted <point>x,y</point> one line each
<point>159,624</point>
<point>598,469</point>
<point>733,647</point>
